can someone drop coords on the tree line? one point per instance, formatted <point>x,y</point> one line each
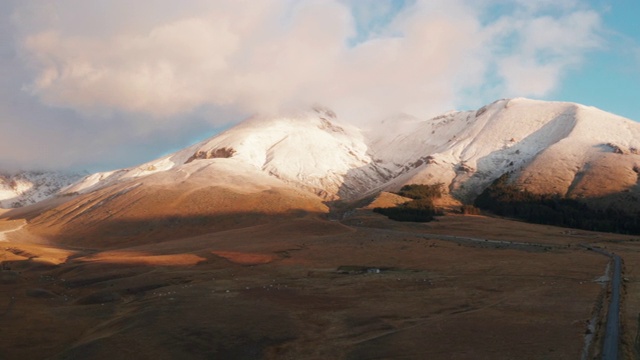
<point>420,208</point>
<point>505,199</point>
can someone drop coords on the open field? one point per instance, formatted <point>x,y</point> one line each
<point>308,288</point>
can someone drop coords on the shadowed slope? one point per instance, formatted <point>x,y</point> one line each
<point>225,194</point>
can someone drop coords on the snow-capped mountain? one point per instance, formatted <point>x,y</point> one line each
<point>309,150</point>
<point>28,187</point>
<point>279,168</point>
<point>550,147</point>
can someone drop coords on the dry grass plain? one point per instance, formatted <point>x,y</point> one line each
<point>289,288</point>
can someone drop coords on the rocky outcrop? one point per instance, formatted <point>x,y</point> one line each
<point>220,153</point>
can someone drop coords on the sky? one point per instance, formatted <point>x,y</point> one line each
<point>103,84</point>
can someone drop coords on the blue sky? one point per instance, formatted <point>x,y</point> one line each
<point>610,77</point>
<point>102,84</point>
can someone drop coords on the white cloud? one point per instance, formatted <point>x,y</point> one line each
<point>297,51</point>
<point>164,61</point>
<point>545,48</point>
<point>168,70</point>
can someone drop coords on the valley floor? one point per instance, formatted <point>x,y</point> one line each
<point>309,288</point>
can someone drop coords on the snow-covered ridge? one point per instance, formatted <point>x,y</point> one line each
<point>466,150</point>
<point>28,187</point>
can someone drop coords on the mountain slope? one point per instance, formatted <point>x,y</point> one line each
<point>212,196</point>
<point>549,147</point>
<point>467,150</point>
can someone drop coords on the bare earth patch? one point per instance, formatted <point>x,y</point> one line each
<point>245,258</point>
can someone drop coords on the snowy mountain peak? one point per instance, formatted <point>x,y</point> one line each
<point>311,150</point>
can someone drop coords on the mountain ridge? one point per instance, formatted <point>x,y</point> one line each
<point>549,147</point>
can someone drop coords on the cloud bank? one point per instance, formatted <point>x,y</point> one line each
<point>166,65</point>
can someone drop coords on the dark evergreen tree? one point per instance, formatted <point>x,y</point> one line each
<point>508,200</point>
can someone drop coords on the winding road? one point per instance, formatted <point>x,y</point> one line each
<point>611,339</point>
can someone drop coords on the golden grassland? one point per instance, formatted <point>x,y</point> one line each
<point>271,289</point>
